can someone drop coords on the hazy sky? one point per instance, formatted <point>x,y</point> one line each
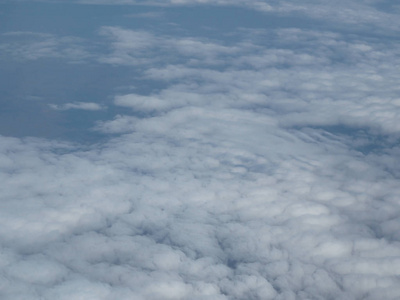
<point>205,149</point>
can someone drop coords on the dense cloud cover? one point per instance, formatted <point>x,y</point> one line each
<point>260,165</point>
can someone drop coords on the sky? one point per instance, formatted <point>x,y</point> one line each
<point>199,149</point>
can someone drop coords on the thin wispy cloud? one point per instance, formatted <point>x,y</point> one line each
<point>147,15</point>
<point>37,45</point>
<point>367,14</point>
<point>78,105</point>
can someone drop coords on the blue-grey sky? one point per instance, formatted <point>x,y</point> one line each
<point>199,149</point>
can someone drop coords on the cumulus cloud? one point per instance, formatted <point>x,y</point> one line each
<point>198,203</point>
<point>263,169</point>
<point>326,73</point>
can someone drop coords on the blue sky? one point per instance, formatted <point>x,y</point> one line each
<point>199,149</point>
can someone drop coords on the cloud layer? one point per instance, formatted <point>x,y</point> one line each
<point>197,204</point>
<point>263,168</point>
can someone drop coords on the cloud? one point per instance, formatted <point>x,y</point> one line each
<point>327,80</point>
<point>129,47</point>
<point>265,168</point>
<point>133,47</point>
<point>147,15</point>
<point>78,105</point>
<point>279,192</point>
<point>166,100</point>
<point>359,14</point>
<point>199,203</point>
<point>25,45</point>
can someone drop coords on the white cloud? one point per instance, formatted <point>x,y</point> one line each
<point>326,81</point>
<point>198,202</point>
<point>202,200</point>
<point>162,102</point>
<point>25,45</point>
<point>131,47</point>
<point>147,15</point>
<point>247,177</point>
<point>78,105</point>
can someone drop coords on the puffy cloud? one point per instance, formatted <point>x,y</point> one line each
<point>199,203</point>
<point>309,78</point>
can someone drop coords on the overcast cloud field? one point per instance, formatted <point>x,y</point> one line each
<point>199,149</point>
